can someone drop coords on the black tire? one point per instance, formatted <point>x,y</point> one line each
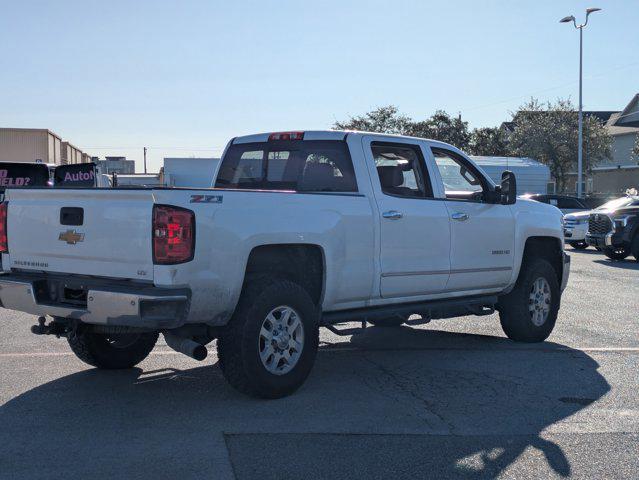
<point>110,351</point>
<point>579,245</point>
<point>599,249</point>
<point>394,321</point>
<point>616,253</point>
<point>514,313</point>
<point>240,341</point>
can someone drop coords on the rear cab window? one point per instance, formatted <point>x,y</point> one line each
<point>288,165</point>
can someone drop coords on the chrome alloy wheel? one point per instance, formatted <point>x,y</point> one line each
<point>539,303</point>
<point>281,340</point>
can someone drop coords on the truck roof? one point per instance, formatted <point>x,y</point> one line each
<point>327,135</point>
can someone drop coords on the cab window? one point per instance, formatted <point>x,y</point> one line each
<point>401,171</point>
<point>461,179</point>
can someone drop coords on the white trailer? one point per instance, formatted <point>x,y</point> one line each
<point>532,176</point>
<point>190,172</point>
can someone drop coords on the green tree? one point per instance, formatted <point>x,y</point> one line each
<point>489,141</point>
<point>440,126</point>
<point>381,120</point>
<point>444,128</point>
<point>549,132</point>
<point>635,149</point>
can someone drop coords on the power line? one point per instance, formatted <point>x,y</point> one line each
<point>557,87</point>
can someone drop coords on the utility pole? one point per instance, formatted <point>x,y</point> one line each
<point>580,152</point>
<point>144,159</point>
<point>581,27</point>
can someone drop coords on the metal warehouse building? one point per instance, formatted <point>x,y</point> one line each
<point>532,176</point>
<point>30,145</point>
<point>71,154</point>
<point>37,145</point>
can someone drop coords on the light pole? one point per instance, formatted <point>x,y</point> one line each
<point>571,18</point>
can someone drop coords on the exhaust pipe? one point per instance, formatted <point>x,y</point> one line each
<point>188,347</point>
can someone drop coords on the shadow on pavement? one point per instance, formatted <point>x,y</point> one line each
<point>628,264</point>
<point>397,402</point>
<point>587,251</point>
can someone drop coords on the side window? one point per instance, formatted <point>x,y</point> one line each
<point>458,178</point>
<point>401,170</point>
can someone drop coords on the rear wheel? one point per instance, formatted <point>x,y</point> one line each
<point>529,312</point>
<point>110,351</point>
<point>616,253</point>
<point>268,348</point>
<point>579,245</point>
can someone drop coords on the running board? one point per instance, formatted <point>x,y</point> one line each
<point>431,310</point>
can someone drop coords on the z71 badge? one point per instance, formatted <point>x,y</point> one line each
<point>206,199</point>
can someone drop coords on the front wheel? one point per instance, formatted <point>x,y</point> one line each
<point>110,351</point>
<point>529,312</point>
<point>616,253</point>
<point>268,348</point>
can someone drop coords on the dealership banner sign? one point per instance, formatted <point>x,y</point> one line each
<point>78,175</point>
<point>16,175</point>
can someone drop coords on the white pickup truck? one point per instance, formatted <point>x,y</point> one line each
<point>301,230</point>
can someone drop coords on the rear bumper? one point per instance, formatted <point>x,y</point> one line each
<point>106,303</point>
<point>566,271</point>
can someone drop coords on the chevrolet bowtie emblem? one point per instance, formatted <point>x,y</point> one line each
<point>71,237</point>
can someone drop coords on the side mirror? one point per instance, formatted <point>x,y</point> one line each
<point>508,188</point>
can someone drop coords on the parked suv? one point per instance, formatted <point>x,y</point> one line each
<point>576,224</point>
<point>614,227</point>
<point>575,229</point>
<point>564,203</point>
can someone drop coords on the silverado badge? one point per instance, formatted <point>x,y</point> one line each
<point>71,237</point>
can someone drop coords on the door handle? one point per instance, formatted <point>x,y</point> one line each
<point>393,215</point>
<point>459,216</point>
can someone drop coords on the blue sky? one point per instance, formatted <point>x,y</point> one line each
<point>182,77</point>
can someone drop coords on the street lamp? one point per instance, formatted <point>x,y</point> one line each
<point>568,19</point>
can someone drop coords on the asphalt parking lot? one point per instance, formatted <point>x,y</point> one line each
<point>451,399</point>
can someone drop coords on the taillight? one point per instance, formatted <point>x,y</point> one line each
<point>173,234</point>
<point>286,136</point>
<point>4,244</point>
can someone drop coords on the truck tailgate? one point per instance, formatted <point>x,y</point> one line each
<point>86,232</point>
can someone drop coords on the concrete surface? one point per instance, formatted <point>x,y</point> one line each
<point>451,399</point>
